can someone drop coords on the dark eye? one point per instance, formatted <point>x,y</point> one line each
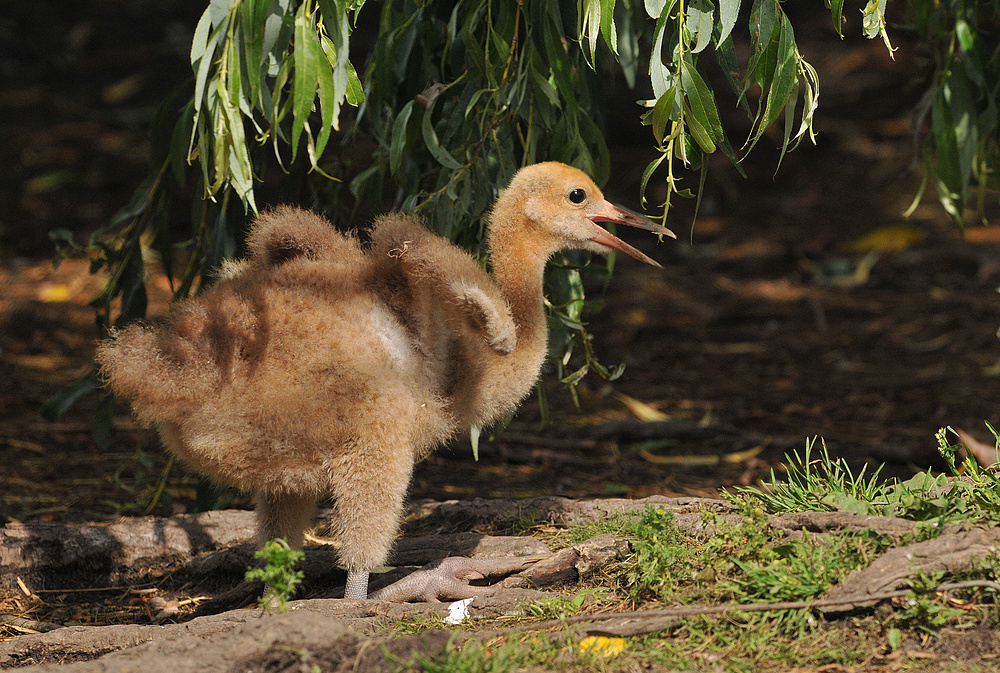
<point>578,196</point>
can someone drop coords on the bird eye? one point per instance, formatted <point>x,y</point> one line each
<point>578,196</point>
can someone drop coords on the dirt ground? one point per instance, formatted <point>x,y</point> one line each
<point>801,304</point>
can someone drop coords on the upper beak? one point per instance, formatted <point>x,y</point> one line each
<point>612,213</point>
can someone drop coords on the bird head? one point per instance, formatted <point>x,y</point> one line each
<point>560,208</point>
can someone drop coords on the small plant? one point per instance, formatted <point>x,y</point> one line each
<point>137,478</point>
<point>923,610</point>
<point>278,574</point>
<point>565,605</point>
<point>820,485</point>
<point>660,561</point>
<point>968,494</point>
<point>982,485</point>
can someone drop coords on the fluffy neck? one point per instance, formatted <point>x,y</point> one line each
<point>518,269</point>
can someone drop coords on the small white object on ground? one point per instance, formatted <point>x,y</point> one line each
<point>458,611</point>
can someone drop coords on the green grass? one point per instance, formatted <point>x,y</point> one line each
<point>969,494</point>
<point>747,562</point>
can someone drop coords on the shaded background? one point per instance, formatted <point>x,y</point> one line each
<point>801,304</point>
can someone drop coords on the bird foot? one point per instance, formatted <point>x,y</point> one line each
<point>449,578</point>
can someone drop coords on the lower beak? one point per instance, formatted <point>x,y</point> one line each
<point>612,213</point>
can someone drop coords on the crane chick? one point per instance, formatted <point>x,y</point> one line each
<point>318,368</point>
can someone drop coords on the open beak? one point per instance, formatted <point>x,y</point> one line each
<point>612,213</point>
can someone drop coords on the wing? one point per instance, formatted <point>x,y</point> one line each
<point>405,252</point>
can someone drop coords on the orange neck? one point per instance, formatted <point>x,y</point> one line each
<point>518,269</point>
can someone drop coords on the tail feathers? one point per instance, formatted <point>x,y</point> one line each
<point>286,233</point>
<point>163,384</point>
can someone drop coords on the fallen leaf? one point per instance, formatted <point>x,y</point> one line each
<point>54,293</point>
<point>642,411</point>
<point>602,645</point>
<point>893,238</point>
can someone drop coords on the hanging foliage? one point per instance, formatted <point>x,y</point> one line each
<point>455,95</point>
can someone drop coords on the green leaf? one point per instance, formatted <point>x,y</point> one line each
<point>699,23</point>
<point>355,91</point>
<point>764,20</point>
<point>233,157</point>
<point>955,137</point>
<point>660,76</point>
<point>398,139</point>
<point>783,79</point>
<point>647,174</point>
<point>873,21</point>
<point>440,154</point>
<point>590,25</point>
<point>199,43</point>
<point>699,131</point>
<point>654,8</point>
<point>837,14</point>
<point>702,102</point>
<point>307,62</point>
<point>204,65</point>
<point>729,10</point>
<point>57,406</point>
<point>608,29</point>
<point>339,31</point>
<point>662,113</point>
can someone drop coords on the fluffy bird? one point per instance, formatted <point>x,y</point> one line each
<point>318,368</point>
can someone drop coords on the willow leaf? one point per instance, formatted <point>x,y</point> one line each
<point>699,23</point>
<point>355,94</point>
<point>837,15</point>
<point>398,138</point>
<point>702,101</point>
<point>440,154</point>
<point>729,10</point>
<point>783,79</point>
<point>307,62</point>
<point>608,29</point>
<point>328,103</point>
<point>647,174</point>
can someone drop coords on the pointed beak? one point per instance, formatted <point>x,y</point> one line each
<point>612,213</point>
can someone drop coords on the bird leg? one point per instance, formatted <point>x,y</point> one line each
<point>284,515</point>
<point>357,585</point>
<point>448,579</point>
<point>367,507</point>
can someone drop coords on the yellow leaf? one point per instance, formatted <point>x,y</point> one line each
<point>893,238</point>
<point>742,456</point>
<point>54,293</point>
<point>678,460</point>
<point>643,411</point>
<point>602,645</point>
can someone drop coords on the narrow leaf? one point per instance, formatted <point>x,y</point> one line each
<point>837,14</point>
<point>608,29</point>
<point>398,138</point>
<point>306,58</point>
<point>57,406</point>
<point>647,174</point>
<point>729,10</point>
<point>440,154</point>
<point>699,23</point>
